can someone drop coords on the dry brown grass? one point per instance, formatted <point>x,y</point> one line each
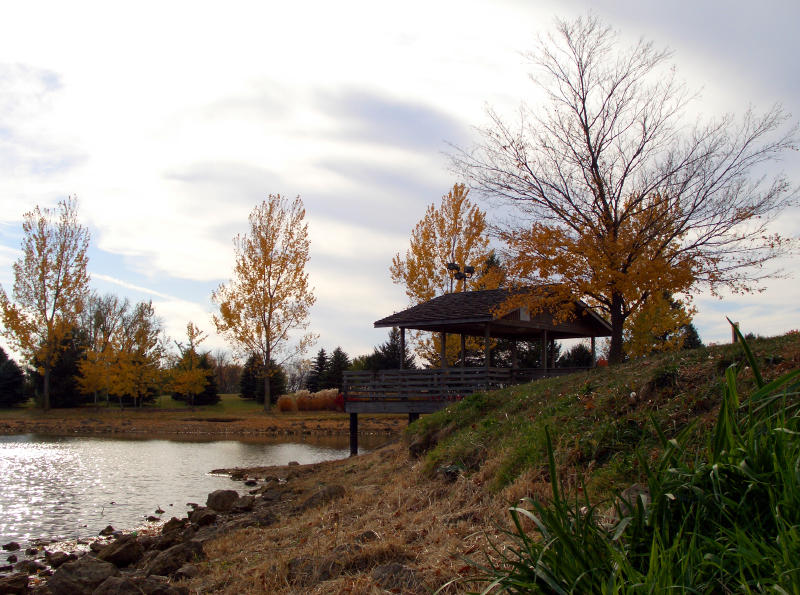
<point>422,523</point>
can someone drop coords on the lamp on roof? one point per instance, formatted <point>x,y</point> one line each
<point>460,275</point>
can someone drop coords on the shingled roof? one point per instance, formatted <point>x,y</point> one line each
<point>470,312</point>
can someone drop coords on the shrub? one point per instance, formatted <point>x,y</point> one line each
<point>287,403</point>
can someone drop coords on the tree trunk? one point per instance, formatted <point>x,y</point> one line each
<point>266,391</point>
<point>46,395</point>
<point>615,352</point>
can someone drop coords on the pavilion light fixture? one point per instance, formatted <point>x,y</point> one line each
<point>460,275</point>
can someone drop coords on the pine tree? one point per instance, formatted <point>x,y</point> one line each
<point>12,382</point>
<point>317,377</point>
<point>334,373</point>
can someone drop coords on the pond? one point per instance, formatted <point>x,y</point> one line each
<point>67,488</point>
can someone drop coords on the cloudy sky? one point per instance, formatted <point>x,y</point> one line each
<point>171,120</point>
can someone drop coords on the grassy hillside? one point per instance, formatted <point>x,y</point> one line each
<point>597,419</point>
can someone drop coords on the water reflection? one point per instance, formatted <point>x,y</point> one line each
<point>69,488</point>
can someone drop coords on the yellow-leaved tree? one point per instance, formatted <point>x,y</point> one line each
<point>102,322</point>
<point>454,232</point>
<point>619,198</point>
<point>51,284</point>
<point>268,297</point>
<point>188,378</point>
<point>137,369</point>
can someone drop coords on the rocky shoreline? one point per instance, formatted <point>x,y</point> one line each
<point>162,560</point>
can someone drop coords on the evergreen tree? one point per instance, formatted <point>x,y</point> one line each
<point>64,388</point>
<point>691,338</point>
<point>209,395</point>
<point>317,377</point>
<point>334,373</point>
<point>12,382</point>
<point>389,355</point>
<point>579,356</point>
<point>251,386</point>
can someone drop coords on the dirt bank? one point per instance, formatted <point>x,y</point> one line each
<point>187,424</point>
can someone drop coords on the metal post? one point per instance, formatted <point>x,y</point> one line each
<point>443,351</point>
<point>463,351</point>
<point>353,434</point>
<point>594,353</point>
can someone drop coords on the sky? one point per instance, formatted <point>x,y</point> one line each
<point>171,120</point>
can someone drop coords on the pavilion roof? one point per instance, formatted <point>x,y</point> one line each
<point>471,312</point>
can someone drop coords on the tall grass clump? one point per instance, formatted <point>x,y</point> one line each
<point>725,519</point>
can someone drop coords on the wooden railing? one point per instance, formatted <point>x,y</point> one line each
<point>437,384</point>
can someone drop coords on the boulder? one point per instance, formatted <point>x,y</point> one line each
<point>56,559</point>
<point>170,560</point>
<point>81,576</point>
<point>12,558</point>
<point>244,504</point>
<point>11,546</point>
<point>173,525</point>
<point>322,496</point>
<point>203,516</point>
<point>109,530</point>
<point>222,500</point>
<point>187,571</point>
<point>29,566</point>
<point>14,583</point>
<point>123,552</point>
<point>137,585</point>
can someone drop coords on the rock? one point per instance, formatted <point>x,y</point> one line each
<point>152,519</point>
<point>81,576</point>
<point>29,566</point>
<point>293,464</point>
<point>12,558</point>
<point>109,530</point>
<point>628,500</point>
<point>137,585</point>
<point>222,500</point>
<point>272,495</point>
<point>170,560</point>
<point>251,482</point>
<point>173,525</point>
<point>367,536</point>
<point>396,577</point>
<point>7,568</point>
<point>322,496</point>
<point>11,546</point>
<point>97,546</point>
<point>300,571</point>
<point>56,559</point>
<point>243,504</point>
<point>187,571</point>
<point>14,583</point>
<point>123,552</point>
<point>203,516</point>
<point>449,472</point>
<point>31,551</point>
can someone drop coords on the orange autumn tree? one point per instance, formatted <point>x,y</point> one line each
<point>269,296</point>
<point>618,197</point>
<point>51,283</point>
<point>454,232</point>
<point>188,378</point>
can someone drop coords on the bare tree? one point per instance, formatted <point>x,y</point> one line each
<point>621,200</point>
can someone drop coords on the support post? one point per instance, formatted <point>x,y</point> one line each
<point>594,353</point>
<point>463,351</point>
<point>543,354</point>
<point>402,347</point>
<point>487,346</point>
<point>353,434</point>
<point>443,350</point>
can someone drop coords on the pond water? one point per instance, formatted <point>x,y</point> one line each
<point>68,488</point>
